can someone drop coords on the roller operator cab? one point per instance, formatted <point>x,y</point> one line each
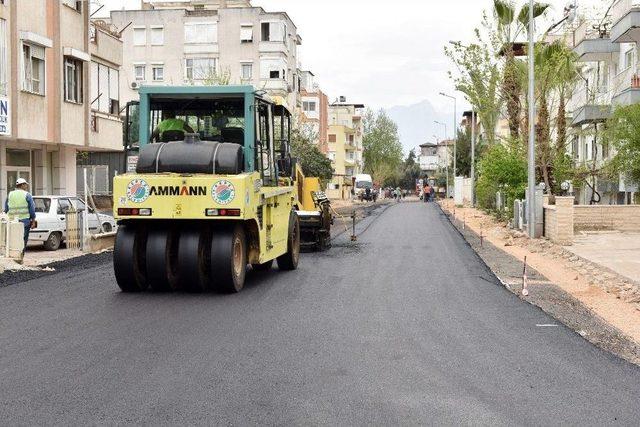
<point>213,190</point>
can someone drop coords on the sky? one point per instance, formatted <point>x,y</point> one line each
<point>382,53</point>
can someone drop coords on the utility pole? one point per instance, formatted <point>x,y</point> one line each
<point>531,205</point>
<point>473,157</point>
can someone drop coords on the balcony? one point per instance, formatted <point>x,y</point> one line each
<point>628,82</point>
<point>350,146</point>
<point>274,47</point>
<point>592,45</point>
<point>275,85</point>
<point>591,105</point>
<point>429,163</point>
<point>626,21</point>
<point>591,113</point>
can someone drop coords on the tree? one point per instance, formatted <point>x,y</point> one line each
<point>478,78</point>
<point>623,134</point>
<point>382,151</point>
<point>502,167</point>
<point>311,159</point>
<point>508,27</point>
<point>463,152</point>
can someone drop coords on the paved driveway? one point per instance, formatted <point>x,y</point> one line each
<point>617,251</point>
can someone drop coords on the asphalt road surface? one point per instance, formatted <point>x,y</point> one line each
<point>405,327</point>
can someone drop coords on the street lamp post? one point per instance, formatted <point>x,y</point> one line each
<point>455,130</point>
<point>447,166</point>
<point>473,157</point>
<point>532,157</point>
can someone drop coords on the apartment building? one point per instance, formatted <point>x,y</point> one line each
<point>608,52</point>
<point>209,42</point>
<point>346,130</point>
<point>314,114</point>
<point>46,119</point>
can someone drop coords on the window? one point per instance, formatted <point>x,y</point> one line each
<point>246,71</point>
<point>332,138</point>
<point>246,33</point>
<point>157,36</point>
<point>64,205</point>
<point>4,57</point>
<point>200,68</point>
<point>33,68</point>
<point>628,58</point>
<point>201,32</point>
<point>139,71</point>
<point>309,106</point>
<point>105,88</point>
<point>42,205</point>
<point>74,4</point>
<point>158,72</point>
<point>139,36</point>
<point>274,32</point>
<point>20,158</point>
<point>72,80</point>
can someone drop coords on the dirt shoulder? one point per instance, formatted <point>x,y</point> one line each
<point>598,304</point>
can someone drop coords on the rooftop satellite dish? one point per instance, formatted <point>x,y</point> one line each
<point>570,11</point>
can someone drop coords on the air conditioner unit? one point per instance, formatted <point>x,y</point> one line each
<point>135,84</point>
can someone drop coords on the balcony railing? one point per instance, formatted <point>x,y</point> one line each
<point>622,7</point>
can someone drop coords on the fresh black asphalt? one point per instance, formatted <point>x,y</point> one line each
<point>406,326</point>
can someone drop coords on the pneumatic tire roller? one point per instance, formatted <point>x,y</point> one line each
<point>199,210</point>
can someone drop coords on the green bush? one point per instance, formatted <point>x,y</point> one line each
<point>503,167</point>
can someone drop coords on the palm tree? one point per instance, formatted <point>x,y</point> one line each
<point>510,26</point>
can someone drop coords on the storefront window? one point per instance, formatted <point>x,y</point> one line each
<point>18,157</point>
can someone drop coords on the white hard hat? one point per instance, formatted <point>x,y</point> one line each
<point>21,181</point>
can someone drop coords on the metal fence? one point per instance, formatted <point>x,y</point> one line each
<point>73,223</point>
<point>97,179</point>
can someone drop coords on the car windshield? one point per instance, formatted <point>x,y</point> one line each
<point>42,205</point>
<point>364,184</point>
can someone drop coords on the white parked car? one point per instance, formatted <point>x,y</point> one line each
<point>50,215</point>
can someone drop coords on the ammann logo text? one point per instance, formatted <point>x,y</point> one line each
<point>167,190</point>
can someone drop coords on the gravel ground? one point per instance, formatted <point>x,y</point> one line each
<point>549,297</point>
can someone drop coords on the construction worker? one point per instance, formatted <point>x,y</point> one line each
<point>19,206</point>
<point>170,123</point>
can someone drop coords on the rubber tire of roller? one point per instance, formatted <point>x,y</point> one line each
<point>225,277</point>
<point>193,259</point>
<point>289,261</point>
<point>161,257</point>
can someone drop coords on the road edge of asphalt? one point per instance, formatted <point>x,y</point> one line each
<point>14,277</point>
<point>552,300</point>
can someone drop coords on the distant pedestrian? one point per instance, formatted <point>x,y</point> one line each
<point>427,192</point>
<point>432,193</point>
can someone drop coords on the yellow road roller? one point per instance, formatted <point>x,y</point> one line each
<point>213,190</point>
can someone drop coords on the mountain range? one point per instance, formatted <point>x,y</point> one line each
<point>416,123</point>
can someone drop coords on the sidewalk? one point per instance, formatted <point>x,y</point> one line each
<point>612,297</point>
<point>36,257</point>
